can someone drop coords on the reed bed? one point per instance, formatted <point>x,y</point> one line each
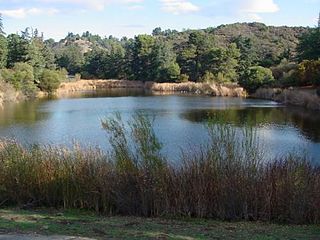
<point>226,179</point>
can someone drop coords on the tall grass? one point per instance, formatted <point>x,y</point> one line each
<point>226,179</point>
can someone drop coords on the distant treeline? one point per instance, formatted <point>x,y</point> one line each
<point>251,54</point>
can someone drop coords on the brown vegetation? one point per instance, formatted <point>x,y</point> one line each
<point>9,94</point>
<point>187,87</point>
<point>303,97</point>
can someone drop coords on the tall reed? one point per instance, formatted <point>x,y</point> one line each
<point>225,179</point>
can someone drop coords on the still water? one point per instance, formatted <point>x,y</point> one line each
<point>179,121</point>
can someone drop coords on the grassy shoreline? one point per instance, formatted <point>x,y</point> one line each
<point>231,90</point>
<point>87,224</point>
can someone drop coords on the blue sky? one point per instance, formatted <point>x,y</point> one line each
<point>130,17</point>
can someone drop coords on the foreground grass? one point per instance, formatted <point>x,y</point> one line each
<point>87,224</point>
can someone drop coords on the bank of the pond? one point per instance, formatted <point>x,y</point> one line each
<point>9,94</point>
<point>52,224</point>
<point>302,97</point>
<point>230,90</point>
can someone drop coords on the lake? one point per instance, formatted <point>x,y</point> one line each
<point>179,121</point>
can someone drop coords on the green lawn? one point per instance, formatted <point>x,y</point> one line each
<point>79,223</point>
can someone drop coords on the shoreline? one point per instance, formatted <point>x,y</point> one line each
<point>305,97</point>
<point>66,89</point>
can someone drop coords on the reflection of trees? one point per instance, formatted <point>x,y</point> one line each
<point>121,92</point>
<point>308,122</point>
<point>22,113</point>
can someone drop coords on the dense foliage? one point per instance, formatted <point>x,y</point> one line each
<point>245,53</point>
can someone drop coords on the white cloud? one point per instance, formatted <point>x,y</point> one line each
<point>24,12</point>
<point>250,10</point>
<point>259,6</point>
<point>179,6</point>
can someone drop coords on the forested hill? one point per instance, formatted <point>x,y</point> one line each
<point>251,54</point>
<point>254,43</point>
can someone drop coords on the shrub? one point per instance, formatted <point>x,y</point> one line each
<point>21,77</point>
<point>208,77</point>
<point>184,78</point>
<point>307,73</point>
<point>256,77</point>
<point>49,80</point>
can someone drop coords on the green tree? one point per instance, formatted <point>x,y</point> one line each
<point>192,56</point>
<point>248,54</point>
<point>165,67</point>
<point>256,77</point>
<point>309,46</point>
<point>17,49</point>
<point>49,80</point>
<point>223,63</point>
<point>71,58</point>
<point>21,76</point>
<point>3,51</point>
<point>307,73</point>
<point>94,66</point>
<point>142,65</point>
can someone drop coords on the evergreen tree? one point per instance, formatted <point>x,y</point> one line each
<point>17,49</point>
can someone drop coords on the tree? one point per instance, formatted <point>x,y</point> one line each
<point>21,76</point>
<point>165,67</point>
<point>157,31</point>
<point>35,56</point>
<point>248,55</point>
<point>223,63</point>
<point>307,73</point>
<point>192,57</point>
<point>94,66</point>
<point>71,58</point>
<point>142,66</point>
<point>3,51</point>
<point>309,46</point>
<point>17,49</point>
<point>49,80</point>
<point>256,77</point>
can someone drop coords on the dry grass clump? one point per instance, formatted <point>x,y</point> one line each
<point>226,179</point>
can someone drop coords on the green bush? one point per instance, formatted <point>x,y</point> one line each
<point>184,78</point>
<point>208,77</point>
<point>21,76</point>
<point>256,77</point>
<point>50,80</point>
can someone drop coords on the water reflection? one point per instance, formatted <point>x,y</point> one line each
<point>26,113</point>
<point>179,120</point>
<point>307,122</point>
